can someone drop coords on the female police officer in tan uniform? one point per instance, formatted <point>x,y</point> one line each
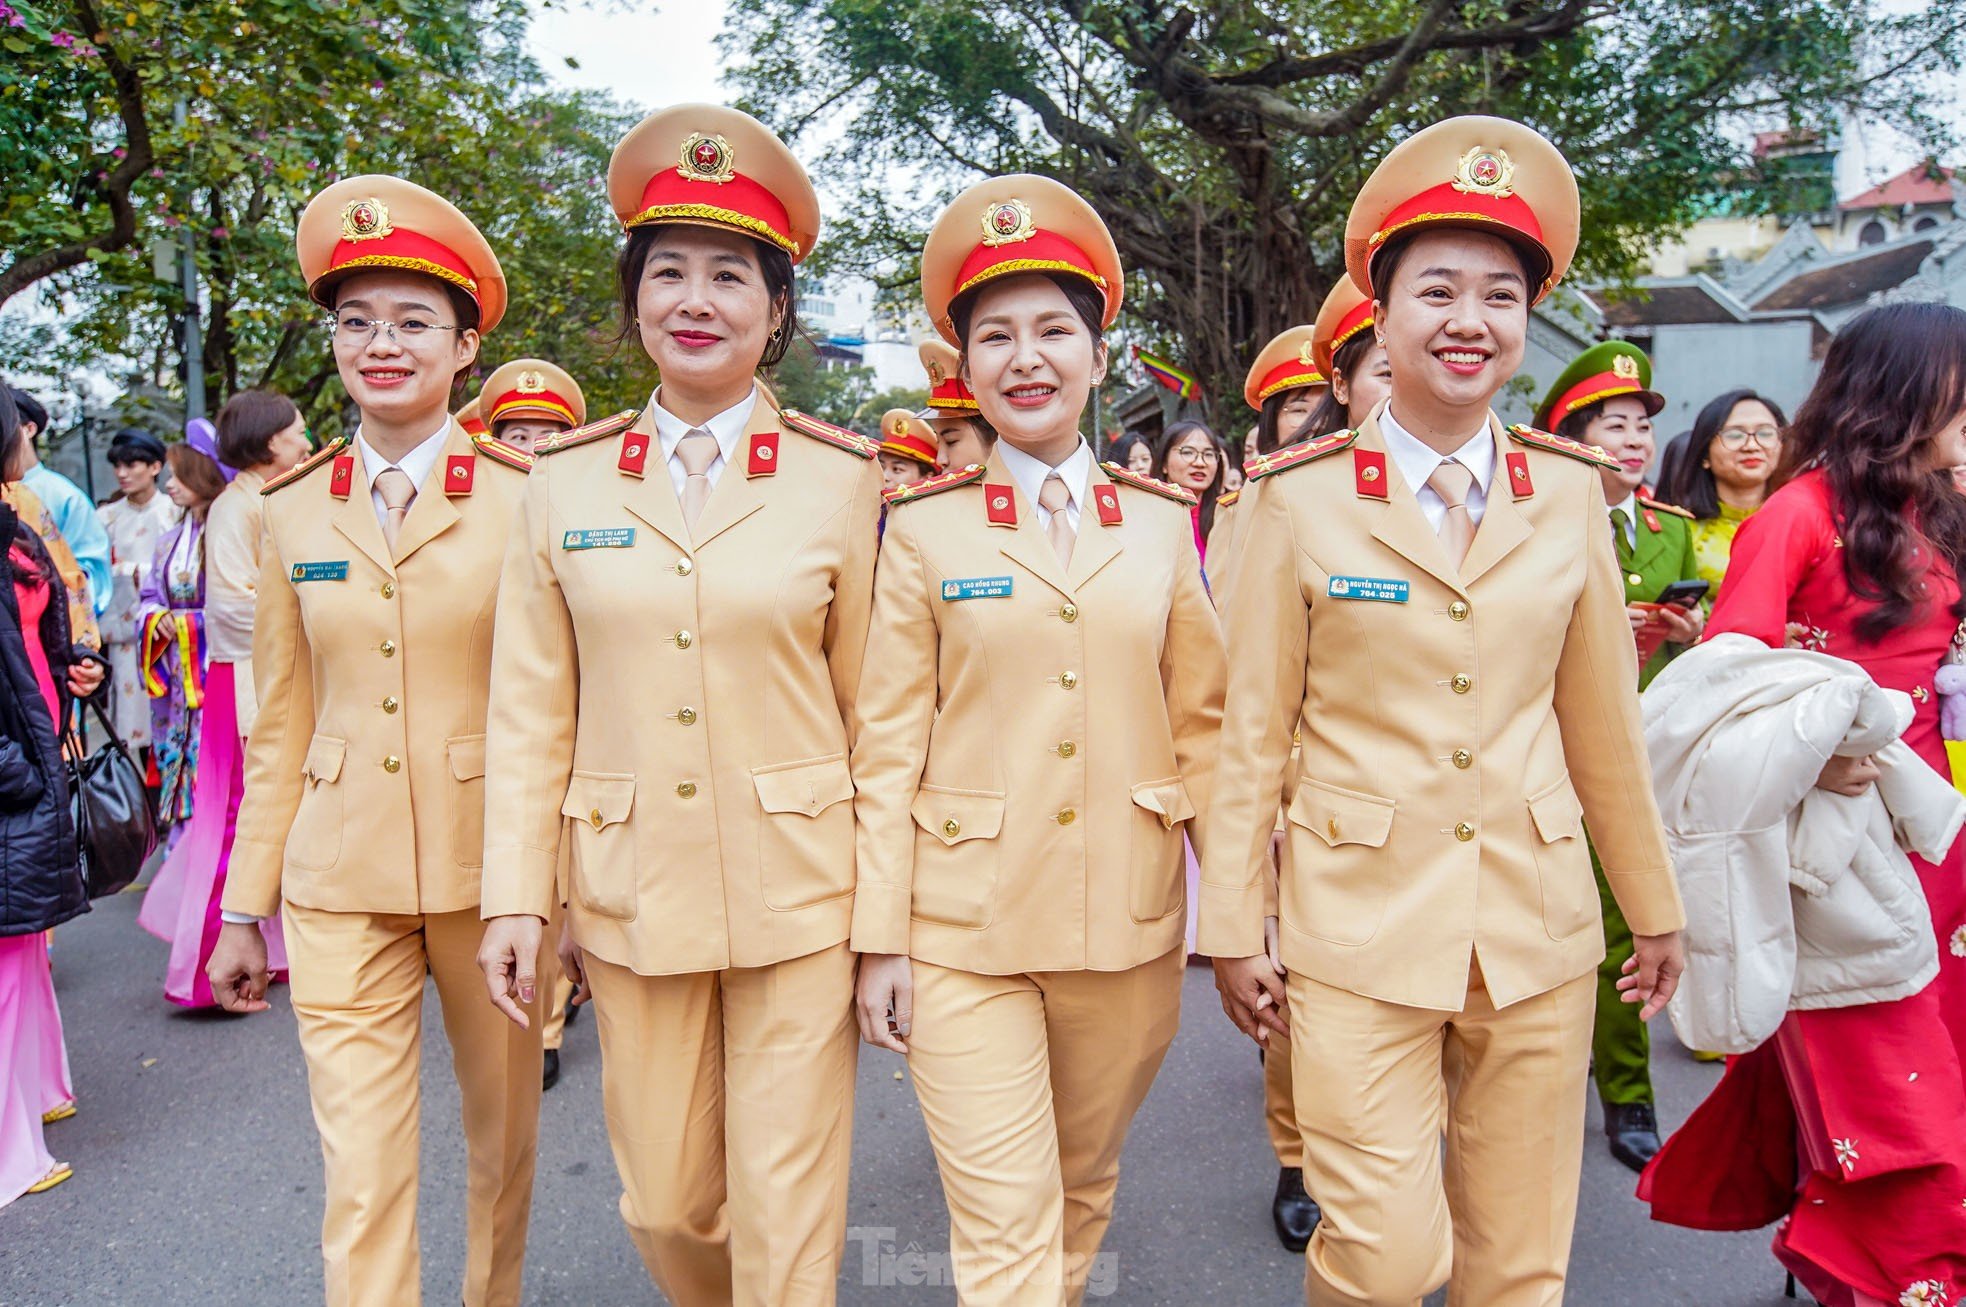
<point>1043,728</point>
<point>364,801</point>
<point>683,617</point>
<point>1449,640</point>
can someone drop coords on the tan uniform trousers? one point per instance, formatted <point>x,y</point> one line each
<point>729,1101</point>
<point>356,981</point>
<point>1028,1084</point>
<point>1279,1103</point>
<point>559,989</point>
<point>1378,1082</point>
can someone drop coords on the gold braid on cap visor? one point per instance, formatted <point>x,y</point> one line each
<point>1632,388</point>
<point>709,215</point>
<point>408,264</point>
<point>546,406</point>
<point>1295,381</point>
<point>1010,266</point>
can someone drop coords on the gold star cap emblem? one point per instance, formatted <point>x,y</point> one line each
<point>1624,365</point>
<point>1008,222</point>
<point>707,159</point>
<point>1483,171</point>
<point>365,220</point>
<point>531,382</point>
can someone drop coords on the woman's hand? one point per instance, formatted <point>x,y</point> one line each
<point>1851,776</point>
<point>85,678</point>
<point>1638,615</point>
<point>1253,995</point>
<point>509,957</point>
<point>237,968</point>
<point>572,966</point>
<point>1683,625</point>
<point>884,1000</point>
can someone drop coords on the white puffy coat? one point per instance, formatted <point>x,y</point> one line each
<point>1795,897</point>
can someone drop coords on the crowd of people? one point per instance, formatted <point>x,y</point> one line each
<point>768,738</point>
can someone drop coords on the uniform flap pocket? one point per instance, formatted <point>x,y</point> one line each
<point>1168,798</point>
<point>1556,812</point>
<point>599,798</point>
<point>953,816</point>
<point>324,757</point>
<point>804,787</point>
<point>467,757</point>
<point>1342,816</point>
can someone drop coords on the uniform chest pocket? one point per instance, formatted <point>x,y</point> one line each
<point>603,873</point>
<point>805,837</point>
<point>1158,881</point>
<point>1339,875</point>
<point>956,854</point>
<point>314,841</point>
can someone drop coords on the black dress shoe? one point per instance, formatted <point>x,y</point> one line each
<point>551,1076</point>
<point>1292,1210</point>
<point>1633,1129</point>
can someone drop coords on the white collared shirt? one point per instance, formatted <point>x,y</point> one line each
<point>727,427</point>
<point>416,465</point>
<point>1416,462</point>
<point>1630,505</point>
<point>1029,474</point>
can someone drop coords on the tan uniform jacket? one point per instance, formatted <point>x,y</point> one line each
<point>1448,739</point>
<point>365,771</point>
<point>1225,543</point>
<point>676,704</point>
<point>1029,760</point>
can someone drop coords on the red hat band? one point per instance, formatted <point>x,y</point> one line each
<point>1289,376</point>
<point>735,201</point>
<point>951,394</point>
<point>1450,203</point>
<point>400,248</point>
<point>1351,324</point>
<point>1604,385</point>
<point>909,446</point>
<point>539,401</point>
<point>1041,251</point>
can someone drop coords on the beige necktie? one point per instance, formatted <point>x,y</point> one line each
<point>1056,499</point>
<point>696,451</point>
<point>397,491</point>
<point>1451,481</point>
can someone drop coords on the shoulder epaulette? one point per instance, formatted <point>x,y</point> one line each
<point>605,427</point>
<point>1165,489</point>
<point>1664,507</point>
<point>1562,445</point>
<point>1282,460</point>
<point>934,485</point>
<point>1227,500</point>
<point>838,437</point>
<point>500,452</point>
<point>322,455</point>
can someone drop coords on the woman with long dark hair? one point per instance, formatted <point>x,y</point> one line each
<point>1724,474</point>
<point>1190,455</point>
<point>171,623</point>
<point>41,883</point>
<point>1859,553</point>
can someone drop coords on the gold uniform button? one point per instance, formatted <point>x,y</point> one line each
<point>952,828</point>
<point>595,818</point>
<point>1458,611</point>
<point>1462,683</point>
<point>1331,827</point>
<point>1463,759</point>
<point>1070,612</point>
<point>388,648</point>
<point>392,764</point>
<point>686,790</point>
<point>391,704</point>
<point>687,716</point>
<point>1068,679</point>
<point>1068,816</point>
<point>1464,832</point>
<point>388,589</point>
<point>684,567</point>
<point>1066,749</point>
<point>1633,578</point>
<point>684,639</point>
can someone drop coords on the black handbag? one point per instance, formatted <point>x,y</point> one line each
<point>115,822</point>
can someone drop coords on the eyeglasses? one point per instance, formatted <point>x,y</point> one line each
<point>1735,437</point>
<point>352,329</point>
<point>1203,454</point>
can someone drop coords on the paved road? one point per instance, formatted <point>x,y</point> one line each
<point>198,1174</point>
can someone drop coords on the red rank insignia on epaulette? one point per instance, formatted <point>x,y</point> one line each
<point>1000,505</point>
<point>341,477</point>
<point>1107,500</point>
<point>634,452</point>
<point>1519,483</point>
<point>763,454</point>
<point>1369,473</point>
<point>460,470</point>
<point>1651,519</point>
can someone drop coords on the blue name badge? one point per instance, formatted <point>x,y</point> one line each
<point>976,587</point>
<point>319,572</point>
<point>600,537</point>
<point>1383,589</point>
